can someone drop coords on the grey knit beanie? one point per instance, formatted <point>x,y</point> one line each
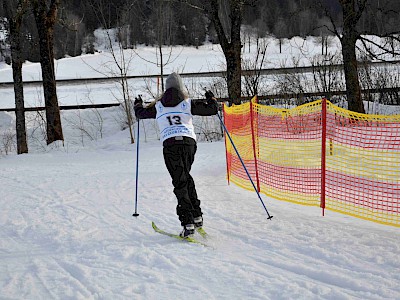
<point>175,81</point>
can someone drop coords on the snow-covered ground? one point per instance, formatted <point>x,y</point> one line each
<point>67,231</point>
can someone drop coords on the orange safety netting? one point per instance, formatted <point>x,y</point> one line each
<point>318,154</point>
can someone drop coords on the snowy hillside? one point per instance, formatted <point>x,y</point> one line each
<point>67,231</point>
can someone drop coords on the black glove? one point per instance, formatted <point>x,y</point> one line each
<point>138,100</point>
<point>209,95</point>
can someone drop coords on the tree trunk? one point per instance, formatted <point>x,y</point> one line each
<point>16,58</point>
<point>233,55</point>
<point>231,46</point>
<point>233,73</point>
<point>348,40</point>
<point>353,90</point>
<point>22,145</point>
<point>45,23</point>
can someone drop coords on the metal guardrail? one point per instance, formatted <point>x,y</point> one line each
<point>248,98</point>
<point>268,71</point>
<point>66,107</point>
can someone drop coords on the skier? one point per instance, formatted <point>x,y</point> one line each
<point>174,113</point>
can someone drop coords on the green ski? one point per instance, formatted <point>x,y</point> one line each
<point>188,239</point>
<point>202,232</point>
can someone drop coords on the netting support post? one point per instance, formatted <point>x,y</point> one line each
<point>253,138</point>
<point>323,155</point>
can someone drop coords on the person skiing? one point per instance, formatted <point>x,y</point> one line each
<point>174,114</point>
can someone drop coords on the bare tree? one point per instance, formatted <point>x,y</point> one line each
<point>351,31</point>
<point>163,12</point>
<point>121,59</point>
<point>15,13</point>
<point>327,78</point>
<point>226,16</point>
<point>280,32</point>
<point>45,16</point>
<point>253,66</point>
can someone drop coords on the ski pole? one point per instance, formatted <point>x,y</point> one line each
<point>137,169</point>
<point>244,166</point>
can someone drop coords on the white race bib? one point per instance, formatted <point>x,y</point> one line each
<point>175,121</point>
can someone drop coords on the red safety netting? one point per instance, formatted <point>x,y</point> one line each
<point>319,154</point>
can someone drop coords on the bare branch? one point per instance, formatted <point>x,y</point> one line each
<point>365,40</point>
<point>361,7</point>
<point>186,2</point>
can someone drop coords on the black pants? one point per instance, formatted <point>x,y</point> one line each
<point>179,159</point>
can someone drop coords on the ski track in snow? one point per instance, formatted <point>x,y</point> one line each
<point>67,232</point>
